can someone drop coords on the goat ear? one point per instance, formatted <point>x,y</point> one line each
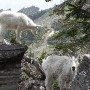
<point>76,61</point>
<point>74,58</point>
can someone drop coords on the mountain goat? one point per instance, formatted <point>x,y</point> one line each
<point>60,68</point>
<point>15,21</point>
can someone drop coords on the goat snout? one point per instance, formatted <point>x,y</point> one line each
<point>73,68</point>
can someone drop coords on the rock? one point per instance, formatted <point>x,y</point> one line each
<point>10,53</point>
<point>10,65</point>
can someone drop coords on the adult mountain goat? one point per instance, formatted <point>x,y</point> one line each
<point>15,21</point>
<point>60,68</point>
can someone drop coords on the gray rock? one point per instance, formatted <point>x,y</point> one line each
<point>10,65</point>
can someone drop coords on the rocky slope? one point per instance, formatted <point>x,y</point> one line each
<point>41,17</point>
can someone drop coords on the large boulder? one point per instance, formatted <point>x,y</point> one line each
<point>10,65</point>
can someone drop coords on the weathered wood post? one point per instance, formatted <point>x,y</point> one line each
<point>10,65</point>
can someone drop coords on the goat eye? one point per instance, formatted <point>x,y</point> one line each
<point>73,68</point>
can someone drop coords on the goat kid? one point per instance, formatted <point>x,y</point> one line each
<point>60,68</point>
<point>15,21</point>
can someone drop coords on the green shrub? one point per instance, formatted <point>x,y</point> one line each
<point>42,56</point>
<point>56,86</point>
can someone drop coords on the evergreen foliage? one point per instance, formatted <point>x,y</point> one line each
<point>75,29</point>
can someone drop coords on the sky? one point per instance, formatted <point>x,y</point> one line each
<point>16,5</point>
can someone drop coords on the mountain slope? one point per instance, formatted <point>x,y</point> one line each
<point>40,17</point>
<point>46,20</point>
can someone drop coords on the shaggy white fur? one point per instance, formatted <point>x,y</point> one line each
<point>15,21</point>
<point>60,68</point>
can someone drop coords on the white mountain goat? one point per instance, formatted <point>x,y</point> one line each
<point>15,21</point>
<point>60,68</point>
